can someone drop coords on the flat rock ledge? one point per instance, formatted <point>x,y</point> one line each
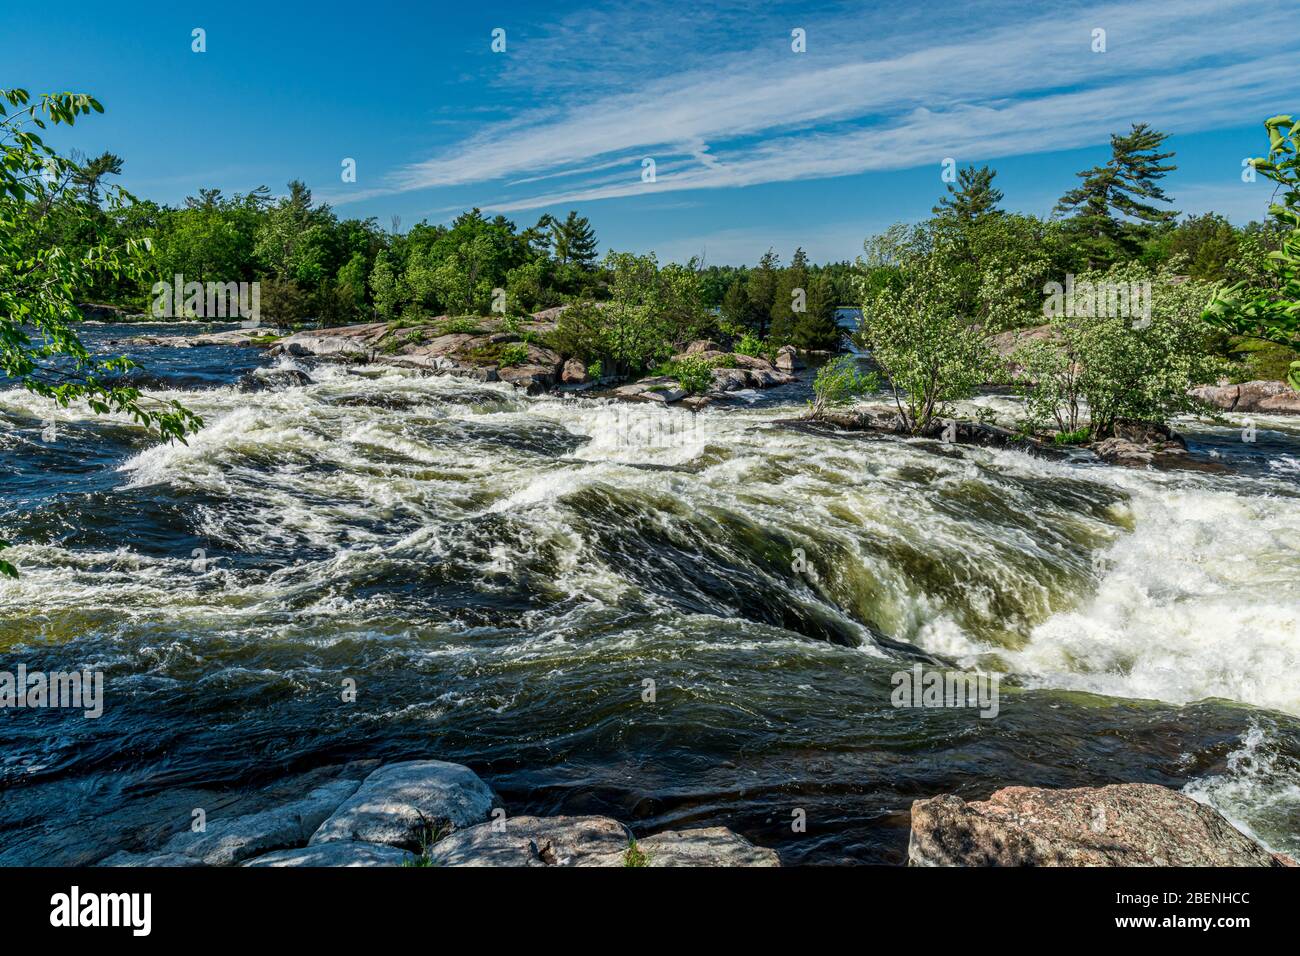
<point>1262,395</point>
<point>424,813</point>
<point>1128,824</point>
<point>593,841</point>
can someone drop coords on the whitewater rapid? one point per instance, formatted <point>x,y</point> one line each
<point>558,517</point>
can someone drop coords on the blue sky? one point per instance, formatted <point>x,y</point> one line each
<point>755,145</point>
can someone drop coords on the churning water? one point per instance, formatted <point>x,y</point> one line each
<point>502,576</point>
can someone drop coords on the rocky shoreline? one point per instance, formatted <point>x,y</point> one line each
<point>424,813</point>
<point>436,813</point>
<point>1128,824</point>
<point>494,350</point>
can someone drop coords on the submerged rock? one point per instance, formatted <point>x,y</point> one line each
<point>1129,824</point>
<point>273,380</point>
<point>403,804</point>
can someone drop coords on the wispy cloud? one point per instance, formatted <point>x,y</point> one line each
<point>1022,84</point>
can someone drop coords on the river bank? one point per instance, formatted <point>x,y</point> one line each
<point>434,813</point>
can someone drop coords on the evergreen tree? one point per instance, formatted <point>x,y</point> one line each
<point>573,240</point>
<point>738,308</point>
<point>762,289</point>
<point>972,196</point>
<point>90,174</point>
<point>790,300</point>
<point>815,328</point>
<point>1112,196</point>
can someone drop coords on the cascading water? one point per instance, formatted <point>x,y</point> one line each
<point>501,576</point>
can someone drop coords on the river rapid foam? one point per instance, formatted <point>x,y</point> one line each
<point>502,575</point>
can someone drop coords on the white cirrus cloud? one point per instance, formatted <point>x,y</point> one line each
<point>1024,85</point>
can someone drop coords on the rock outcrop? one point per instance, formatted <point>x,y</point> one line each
<point>574,373</point>
<point>536,841</point>
<point>337,854</point>
<point>731,372</point>
<point>407,804</point>
<point>1139,444</point>
<point>230,841</point>
<point>97,312</point>
<point>238,338</point>
<point>377,817</point>
<point>789,359</point>
<point>1130,824</point>
<point>593,841</point>
<point>1267,397</point>
<point>707,846</point>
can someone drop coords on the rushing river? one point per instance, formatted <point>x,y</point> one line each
<point>501,576</point>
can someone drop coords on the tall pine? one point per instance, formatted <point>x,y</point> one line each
<point>738,309</point>
<point>1109,211</point>
<point>762,289</point>
<point>971,197</point>
<point>815,328</point>
<point>790,299</point>
<point>573,240</point>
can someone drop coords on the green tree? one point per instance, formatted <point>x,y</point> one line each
<point>573,240</point>
<point>90,175</point>
<point>789,299</point>
<point>1122,366</point>
<point>1112,198</point>
<point>650,312</point>
<point>40,282</point>
<point>739,310</point>
<point>815,327</point>
<point>931,353</point>
<point>762,288</point>
<point>1272,313</point>
<point>972,196</point>
<point>1207,244</point>
<point>840,382</point>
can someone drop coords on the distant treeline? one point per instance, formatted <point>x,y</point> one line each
<point>315,266</point>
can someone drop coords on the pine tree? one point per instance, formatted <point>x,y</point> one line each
<point>573,240</point>
<point>762,288</point>
<point>1112,196</point>
<point>738,309</point>
<point>791,293</point>
<point>972,196</point>
<point>816,328</point>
